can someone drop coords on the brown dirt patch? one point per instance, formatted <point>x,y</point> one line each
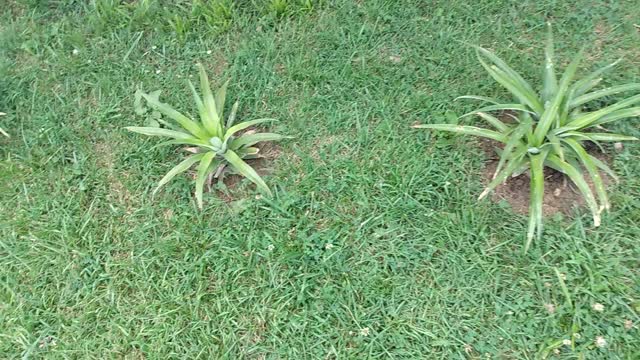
<point>560,194</point>
<point>105,159</point>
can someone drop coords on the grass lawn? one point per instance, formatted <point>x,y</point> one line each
<point>374,245</point>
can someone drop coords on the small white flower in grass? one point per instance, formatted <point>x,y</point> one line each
<point>328,246</point>
<point>270,247</point>
<point>209,52</point>
<point>628,324</point>
<point>75,52</point>
<point>566,342</point>
<point>364,331</point>
<point>597,307</point>
<point>577,335</point>
<point>158,71</point>
<point>551,308</point>
<point>601,342</point>
<point>556,351</point>
<point>563,276</point>
<point>154,47</point>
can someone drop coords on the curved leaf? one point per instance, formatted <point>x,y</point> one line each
<point>181,167</point>
<point>550,83</point>
<point>251,139</point>
<point>203,169</point>
<point>591,169</point>
<point>232,116</point>
<point>516,160</point>
<point>500,107</point>
<point>221,95</point>
<point>243,125</point>
<point>524,95</point>
<point>506,73</point>
<point>586,120</point>
<point>604,167</point>
<point>551,112</point>
<point>602,93</point>
<point>247,171</point>
<point>515,138</point>
<point>536,197</point>
<point>462,129</point>
<point>188,124</point>
<point>153,131</point>
<point>576,177</point>
<point>600,136</point>
<point>617,115</point>
<point>499,125</point>
<point>475,97</point>
<point>590,81</point>
<point>212,123</point>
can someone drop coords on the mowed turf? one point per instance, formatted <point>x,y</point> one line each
<point>373,246</point>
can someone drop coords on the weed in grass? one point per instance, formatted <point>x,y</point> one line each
<point>550,129</point>
<point>218,145</point>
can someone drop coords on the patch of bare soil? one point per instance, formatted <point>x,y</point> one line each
<point>560,194</point>
<point>105,159</point>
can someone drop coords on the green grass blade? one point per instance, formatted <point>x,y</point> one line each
<point>578,179</point>
<point>602,93</point>
<point>251,139</point>
<point>468,130</point>
<point>232,115</point>
<point>550,83</point>
<point>203,169</point>
<point>178,169</point>
<point>153,131</point>
<point>243,125</point>
<point>495,122</point>
<point>212,123</point>
<point>221,96</point>
<point>592,169</point>
<point>536,197</point>
<point>247,171</point>
<point>565,289</point>
<point>188,124</point>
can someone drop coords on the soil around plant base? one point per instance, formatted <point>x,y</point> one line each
<point>561,196</point>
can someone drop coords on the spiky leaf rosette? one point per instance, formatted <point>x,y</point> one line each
<point>219,143</point>
<point>550,129</point>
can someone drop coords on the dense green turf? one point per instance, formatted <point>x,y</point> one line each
<point>374,245</point>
